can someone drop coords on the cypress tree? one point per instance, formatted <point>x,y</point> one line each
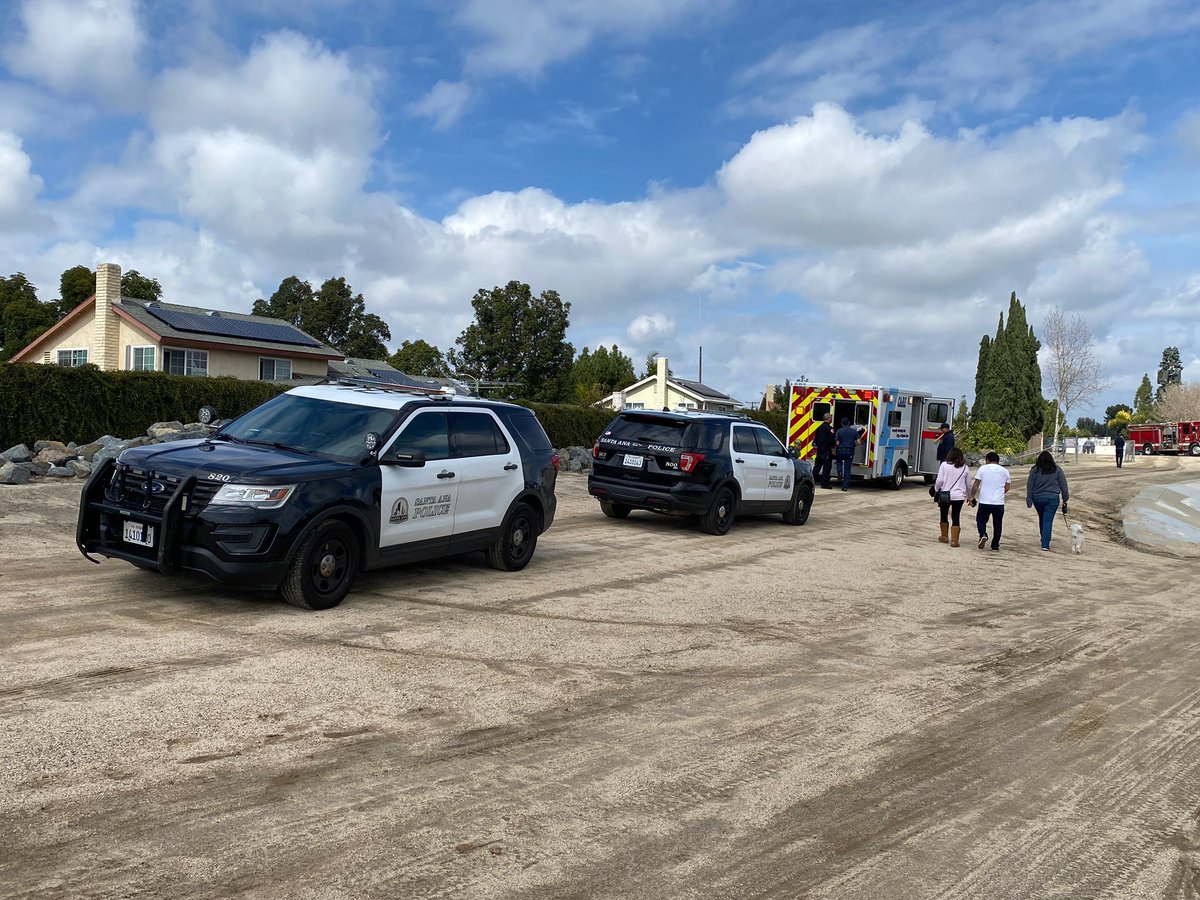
<point>1028,406</point>
<point>985,347</point>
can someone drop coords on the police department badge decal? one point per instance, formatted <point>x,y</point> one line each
<point>399,511</point>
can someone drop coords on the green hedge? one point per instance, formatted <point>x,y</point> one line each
<point>44,402</point>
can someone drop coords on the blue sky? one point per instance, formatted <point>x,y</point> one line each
<point>844,191</point>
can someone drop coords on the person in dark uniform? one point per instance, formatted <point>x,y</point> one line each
<point>945,442</point>
<point>824,441</point>
<point>1119,445</point>
<point>847,438</point>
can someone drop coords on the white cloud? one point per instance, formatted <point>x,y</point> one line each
<point>522,37</point>
<point>86,46</point>
<point>444,104</point>
<point>647,328</point>
<point>19,187</point>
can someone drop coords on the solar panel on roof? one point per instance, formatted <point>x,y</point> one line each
<point>393,377</point>
<point>241,328</point>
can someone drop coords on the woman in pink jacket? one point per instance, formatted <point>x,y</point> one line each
<point>953,481</point>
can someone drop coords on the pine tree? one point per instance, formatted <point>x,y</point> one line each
<point>985,348</point>
<point>1143,401</point>
<point>1170,371</point>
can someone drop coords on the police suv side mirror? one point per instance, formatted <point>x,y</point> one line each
<point>409,459</point>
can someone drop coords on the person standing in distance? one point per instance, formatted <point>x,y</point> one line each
<point>945,442</point>
<point>1119,445</point>
<point>847,439</point>
<point>824,441</point>
<point>992,482</point>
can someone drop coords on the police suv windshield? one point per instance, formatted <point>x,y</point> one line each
<point>308,425</point>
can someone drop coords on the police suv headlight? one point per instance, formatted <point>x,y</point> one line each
<point>253,495</point>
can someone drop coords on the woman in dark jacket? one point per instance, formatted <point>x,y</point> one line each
<point>1046,485</point>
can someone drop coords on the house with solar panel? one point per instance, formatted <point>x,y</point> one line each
<point>661,390</point>
<point>113,333</point>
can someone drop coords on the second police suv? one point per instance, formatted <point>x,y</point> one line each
<point>320,483</point>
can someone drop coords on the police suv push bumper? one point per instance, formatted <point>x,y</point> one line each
<point>141,516</point>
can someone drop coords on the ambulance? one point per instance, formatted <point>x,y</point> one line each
<point>901,427</point>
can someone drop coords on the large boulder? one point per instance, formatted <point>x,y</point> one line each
<point>60,472</point>
<point>55,454</point>
<point>81,468</point>
<point>14,473</point>
<point>18,454</point>
<point>37,467</point>
<point>159,430</point>
<point>114,450</point>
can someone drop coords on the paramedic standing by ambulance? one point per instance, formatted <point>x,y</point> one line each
<point>824,441</point>
<point>992,482</point>
<point>847,439</point>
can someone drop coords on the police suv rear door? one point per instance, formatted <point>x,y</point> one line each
<point>487,468</point>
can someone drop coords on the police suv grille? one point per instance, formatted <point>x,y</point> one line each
<point>202,493</point>
<point>141,489</point>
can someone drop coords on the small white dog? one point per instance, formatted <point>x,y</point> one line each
<point>1076,537</point>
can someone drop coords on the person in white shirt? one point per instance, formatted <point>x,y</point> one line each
<point>992,482</point>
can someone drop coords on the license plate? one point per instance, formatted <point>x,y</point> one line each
<point>634,462</point>
<point>137,533</point>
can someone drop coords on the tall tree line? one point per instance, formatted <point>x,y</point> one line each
<point>1008,379</point>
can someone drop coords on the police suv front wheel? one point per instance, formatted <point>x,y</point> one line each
<point>513,547</point>
<point>323,567</point>
<point>797,513</point>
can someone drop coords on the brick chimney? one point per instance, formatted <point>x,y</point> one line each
<point>106,335</point>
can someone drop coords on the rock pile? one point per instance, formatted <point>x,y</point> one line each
<point>54,459</point>
<point>575,459</point>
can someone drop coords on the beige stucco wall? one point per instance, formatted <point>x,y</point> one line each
<point>245,365</point>
<point>78,336</point>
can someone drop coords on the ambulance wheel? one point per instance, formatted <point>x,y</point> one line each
<point>1194,450</point>
<point>1147,449</point>
<point>322,569</point>
<point>797,513</point>
<point>718,519</point>
<point>897,480</point>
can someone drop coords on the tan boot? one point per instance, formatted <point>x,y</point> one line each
<point>945,531</point>
<point>954,536</point>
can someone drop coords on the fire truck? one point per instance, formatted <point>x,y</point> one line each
<point>1166,437</point>
<point>900,427</point>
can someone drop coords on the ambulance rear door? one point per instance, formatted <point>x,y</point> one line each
<point>933,412</point>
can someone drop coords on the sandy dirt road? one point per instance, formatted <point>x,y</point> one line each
<point>848,709</point>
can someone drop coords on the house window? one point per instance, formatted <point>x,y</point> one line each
<point>185,362</point>
<point>274,369</point>
<point>72,358</point>
<point>635,405</point>
<point>139,359</point>
<point>685,405</point>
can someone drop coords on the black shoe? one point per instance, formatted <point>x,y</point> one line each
<point>845,489</point>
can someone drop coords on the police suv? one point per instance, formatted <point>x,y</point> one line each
<point>708,465</point>
<point>305,491</point>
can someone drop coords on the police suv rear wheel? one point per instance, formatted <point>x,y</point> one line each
<point>615,510</point>
<point>323,568</point>
<point>514,545</point>
<point>797,513</point>
<point>718,519</point>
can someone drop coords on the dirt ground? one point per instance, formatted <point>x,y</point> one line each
<point>847,709</point>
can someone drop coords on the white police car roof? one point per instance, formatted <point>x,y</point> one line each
<point>378,397</point>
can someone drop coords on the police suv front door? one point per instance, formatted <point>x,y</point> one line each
<point>417,504</point>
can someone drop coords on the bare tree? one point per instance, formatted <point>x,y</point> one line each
<point>1072,370</point>
<point>1179,403</point>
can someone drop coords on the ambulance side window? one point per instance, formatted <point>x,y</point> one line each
<point>862,414</point>
<point>894,419</point>
<point>819,410</point>
<point>937,413</point>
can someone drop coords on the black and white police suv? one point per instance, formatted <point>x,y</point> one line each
<point>698,464</point>
<point>320,483</point>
